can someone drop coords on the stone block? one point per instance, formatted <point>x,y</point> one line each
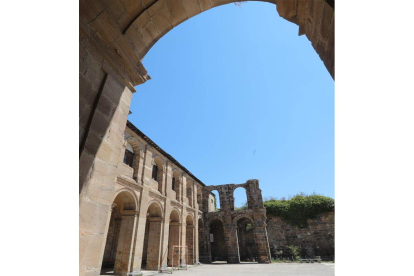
<point>191,7</point>
<point>177,12</point>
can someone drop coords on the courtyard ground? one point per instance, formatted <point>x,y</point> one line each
<point>244,269</point>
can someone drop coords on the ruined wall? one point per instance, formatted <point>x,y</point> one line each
<point>315,240</point>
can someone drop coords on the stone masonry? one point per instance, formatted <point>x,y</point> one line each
<point>228,218</point>
<point>159,204</point>
<point>317,239</point>
<point>114,36</point>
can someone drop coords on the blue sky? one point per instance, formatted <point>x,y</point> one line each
<point>236,94</point>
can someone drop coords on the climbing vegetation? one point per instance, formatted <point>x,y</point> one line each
<point>299,208</point>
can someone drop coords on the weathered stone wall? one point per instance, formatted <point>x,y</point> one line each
<point>229,218</point>
<point>315,240</point>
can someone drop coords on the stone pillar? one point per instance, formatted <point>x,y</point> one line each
<point>207,251</point>
<point>154,243</point>
<point>139,159</point>
<point>100,153</point>
<point>183,236</point>
<point>262,242</point>
<point>123,258</point>
<point>230,235</point>
<point>196,243</point>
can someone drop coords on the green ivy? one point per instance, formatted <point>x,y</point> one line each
<point>298,209</point>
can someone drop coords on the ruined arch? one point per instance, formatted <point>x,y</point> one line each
<point>218,244</point>
<point>246,239</point>
<point>214,200</point>
<point>241,194</point>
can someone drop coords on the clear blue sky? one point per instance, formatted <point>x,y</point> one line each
<point>236,94</point>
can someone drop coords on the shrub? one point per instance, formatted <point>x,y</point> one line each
<point>298,209</point>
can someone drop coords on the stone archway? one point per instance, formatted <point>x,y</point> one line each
<point>173,238</point>
<point>118,246</point>
<point>246,240</point>
<point>218,244</point>
<point>152,238</point>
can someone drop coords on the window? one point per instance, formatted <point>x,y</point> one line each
<point>128,158</point>
<point>154,172</point>
<point>248,226</point>
<point>173,183</point>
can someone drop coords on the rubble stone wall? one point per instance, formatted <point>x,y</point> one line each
<point>317,239</point>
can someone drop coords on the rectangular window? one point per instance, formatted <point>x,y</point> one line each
<point>128,158</point>
<point>173,183</point>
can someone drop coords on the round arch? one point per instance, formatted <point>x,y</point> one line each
<point>187,220</point>
<point>155,209</point>
<point>175,215</point>
<point>211,220</point>
<point>241,216</point>
<point>128,198</point>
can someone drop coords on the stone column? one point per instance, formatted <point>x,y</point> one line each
<point>154,243</point>
<point>207,246</point>
<point>196,243</point>
<point>123,258</point>
<point>183,235</point>
<point>230,235</point>
<point>260,234</point>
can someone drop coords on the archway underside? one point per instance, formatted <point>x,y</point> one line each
<point>124,31</point>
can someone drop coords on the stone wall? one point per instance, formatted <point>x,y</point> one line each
<point>317,239</point>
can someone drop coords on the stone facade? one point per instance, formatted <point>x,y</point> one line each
<point>114,36</point>
<point>159,204</point>
<point>317,239</point>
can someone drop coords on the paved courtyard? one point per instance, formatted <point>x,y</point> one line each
<point>279,269</point>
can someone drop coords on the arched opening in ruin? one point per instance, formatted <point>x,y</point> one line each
<point>120,234</point>
<point>173,238</point>
<point>240,198</point>
<point>214,201</point>
<point>189,239</point>
<point>218,244</point>
<point>246,240</point>
<point>152,238</point>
